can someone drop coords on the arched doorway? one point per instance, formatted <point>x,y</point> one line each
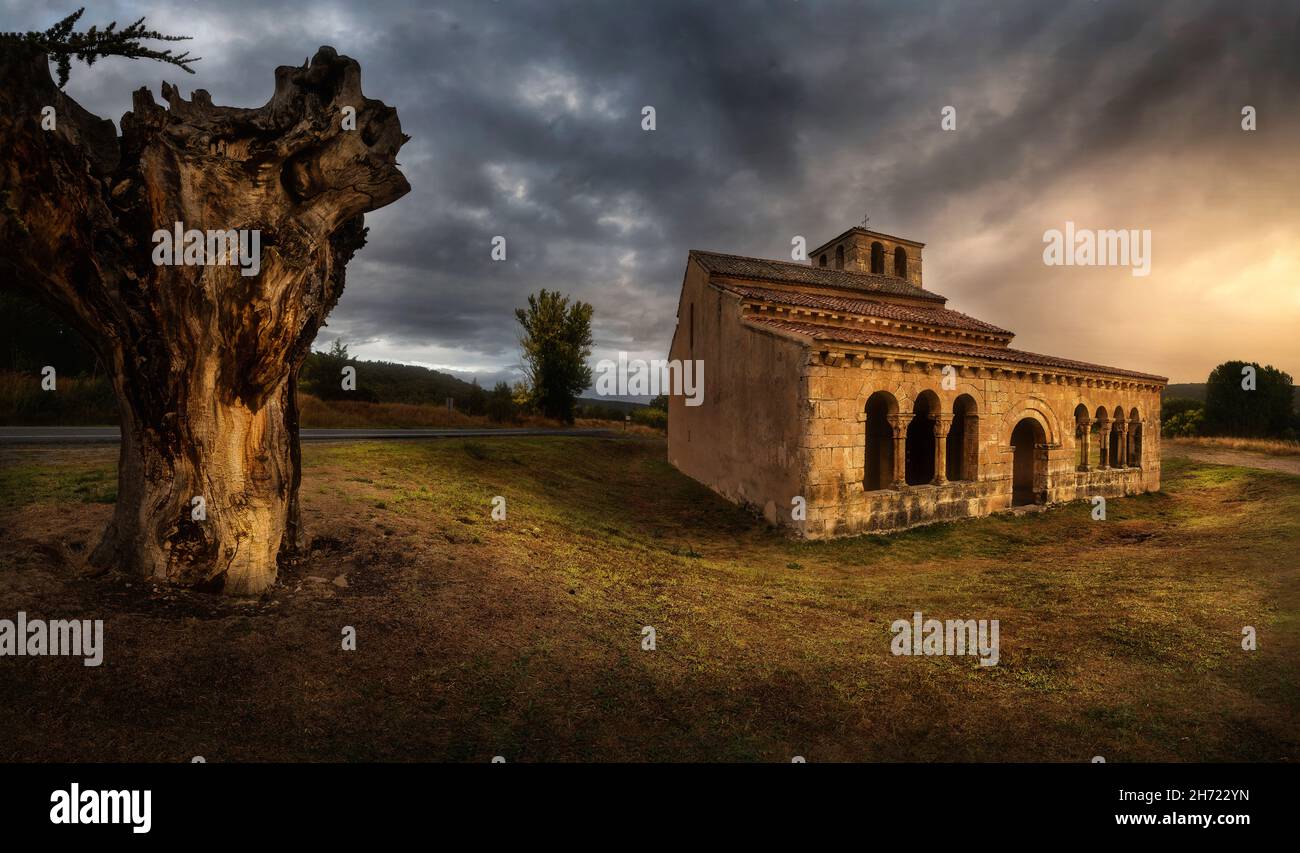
<point>1029,467</point>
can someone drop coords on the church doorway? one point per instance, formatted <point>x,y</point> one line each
<point>1029,468</point>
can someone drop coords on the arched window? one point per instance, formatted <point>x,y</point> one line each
<point>920,440</point>
<point>1134,439</point>
<point>963,449</point>
<point>1081,435</point>
<point>1101,427</point>
<point>877,258</point>
<point>879,459</point>
<point>1117,420</point>
<point>821,262</point>
<point>839,257</point>
<point>900,262</point>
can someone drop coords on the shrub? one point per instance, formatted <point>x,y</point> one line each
<point>1184,425</point>
<point>656,418</point>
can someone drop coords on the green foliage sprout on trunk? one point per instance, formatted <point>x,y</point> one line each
<point>61,43</point>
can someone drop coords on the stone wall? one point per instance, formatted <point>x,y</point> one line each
<point>835,440</point>
<point>744,440</point>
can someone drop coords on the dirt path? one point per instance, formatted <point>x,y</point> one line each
<point>1240,458</point>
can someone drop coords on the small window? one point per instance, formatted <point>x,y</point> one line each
<point>900,262</point>
<point>821,262</point>
<point>839,257</point>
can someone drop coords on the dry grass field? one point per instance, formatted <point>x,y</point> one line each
<point>522,637</point>
<point>1271,446</point>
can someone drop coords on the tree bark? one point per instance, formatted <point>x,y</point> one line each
<point>203,359</point>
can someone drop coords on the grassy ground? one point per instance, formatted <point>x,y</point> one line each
<point>1271,446</point>
<point>522,637</point>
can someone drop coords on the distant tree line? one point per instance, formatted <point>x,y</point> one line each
<point>555,345</point>
<point>1237,406</point>
<point>385,382</point>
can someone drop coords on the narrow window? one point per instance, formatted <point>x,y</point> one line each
<point>900,262</point>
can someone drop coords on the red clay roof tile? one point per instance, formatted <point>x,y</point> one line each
<point>862,336</point>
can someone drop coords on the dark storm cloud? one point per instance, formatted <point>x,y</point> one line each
<point>774,119</point>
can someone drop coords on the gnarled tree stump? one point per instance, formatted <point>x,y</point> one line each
<point>203,358</point>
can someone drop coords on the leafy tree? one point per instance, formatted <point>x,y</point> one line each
<point>501,403</point>
<point>1185,424</point>
<point>556,344</point>
<point>322,375</point>
<point>1230,409</point>
<point>33,337</point>
<point>475,400</point>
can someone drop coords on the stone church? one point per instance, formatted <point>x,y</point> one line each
<point>840,396</point>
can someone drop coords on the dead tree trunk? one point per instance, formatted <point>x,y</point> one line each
<point>203,358</point>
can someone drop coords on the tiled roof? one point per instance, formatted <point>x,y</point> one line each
<point>921,314</point>
<point>867,337</point>
<point>761,269</point>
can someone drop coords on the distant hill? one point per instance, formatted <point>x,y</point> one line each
<point>1190,390</point>
<point>387,382</point>
<point>408,383</point>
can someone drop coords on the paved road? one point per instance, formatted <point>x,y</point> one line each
<point>96,435</point>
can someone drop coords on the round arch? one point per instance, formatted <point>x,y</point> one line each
<point>920,444</point>
<point>961,453</point>
<point>878,455</point>
<point>1030,408</point>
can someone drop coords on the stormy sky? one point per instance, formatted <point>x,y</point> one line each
<point>778,118</point>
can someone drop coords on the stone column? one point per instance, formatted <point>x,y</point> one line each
<point>1122,426</point>
<point>899,424</point>
<point>942,423</point>
<point>1085,426</point>
<point>1103,439</point>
